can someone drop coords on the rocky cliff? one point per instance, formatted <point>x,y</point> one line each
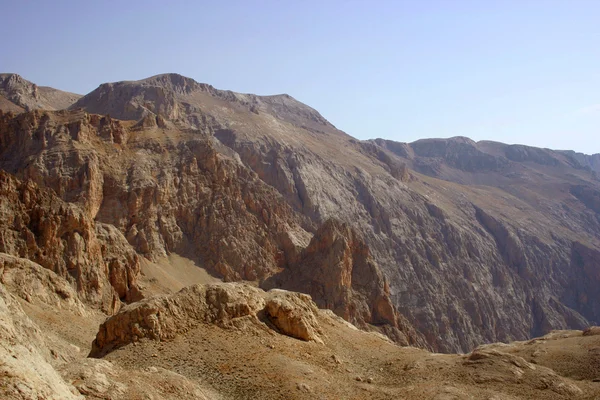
<point>442,243</point>
<point>95,258</point>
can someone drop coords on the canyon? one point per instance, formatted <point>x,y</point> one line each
<point>436,246</point>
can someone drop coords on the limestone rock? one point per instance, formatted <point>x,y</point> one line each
<point>228,305</point>
<point>60,236</point>
<point>202,203</point>
<point>337,270</point>
<point>163,317</point>
<point>34,283</point>
<point>475,242</point>
<point>293,314</point>
<point>25,372</point>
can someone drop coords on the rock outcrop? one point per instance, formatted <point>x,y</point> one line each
<point>60,236</point>
<point>294,314</point>
<point>228,305</point>
<point>25,370</point>
<point>36,284</point>
<point>337,270</point>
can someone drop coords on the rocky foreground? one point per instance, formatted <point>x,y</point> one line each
<point>235,341</point>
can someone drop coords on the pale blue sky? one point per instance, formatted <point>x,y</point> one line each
<point>515,71</point>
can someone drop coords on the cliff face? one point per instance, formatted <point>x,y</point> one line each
<point>165,191</point>
<point>338,272</point>
<point>60,236</point>
<point>442,243</point>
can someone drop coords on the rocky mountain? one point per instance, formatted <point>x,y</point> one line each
<point>112,202</point>
<point>591,161</point>
<point>440,243</point>
<point>18,94</point>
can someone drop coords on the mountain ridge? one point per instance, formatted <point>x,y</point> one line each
<point>190,82</point>
<point>28,96</point>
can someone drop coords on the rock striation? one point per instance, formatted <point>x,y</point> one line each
<point>338,272</point>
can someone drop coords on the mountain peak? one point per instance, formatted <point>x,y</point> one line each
<point>173,81</point>
<point>179,98</point>
<point>29,96</point>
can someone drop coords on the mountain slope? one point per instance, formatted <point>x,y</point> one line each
<point>470,242</point>
<point>17,94</point>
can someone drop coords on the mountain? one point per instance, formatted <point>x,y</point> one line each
<point>465,242</point>
<point>136,189</point>
<point>591,161</point>
<point>18,94</point>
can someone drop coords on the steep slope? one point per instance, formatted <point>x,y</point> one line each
<point>592,161</point>
<point>471,242</point>
<point>164,190</point>
<point>167,188</point>
<point>45,335</point>
<point>17,94</point>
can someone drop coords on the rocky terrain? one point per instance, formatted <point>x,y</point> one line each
<point>112,202</point>
<point>235,341</point>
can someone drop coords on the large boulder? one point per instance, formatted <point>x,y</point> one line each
<point>293,314</point>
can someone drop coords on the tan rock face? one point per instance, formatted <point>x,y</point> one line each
<point>162,195</point>
<point>458,259</point>
<point>38,226</point>
<point>163,317</point>
<point>34,283</point>
<point>25,372</point>
<point>338,272</point>
<point>293,314</point>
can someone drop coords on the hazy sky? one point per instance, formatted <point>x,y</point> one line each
<point>513,71</point>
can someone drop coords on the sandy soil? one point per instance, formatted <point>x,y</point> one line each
<point>171,274</point>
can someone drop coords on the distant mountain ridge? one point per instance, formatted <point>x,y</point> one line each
<point>28,96</point>
<point>25,97</point>
<point>174,97</point>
